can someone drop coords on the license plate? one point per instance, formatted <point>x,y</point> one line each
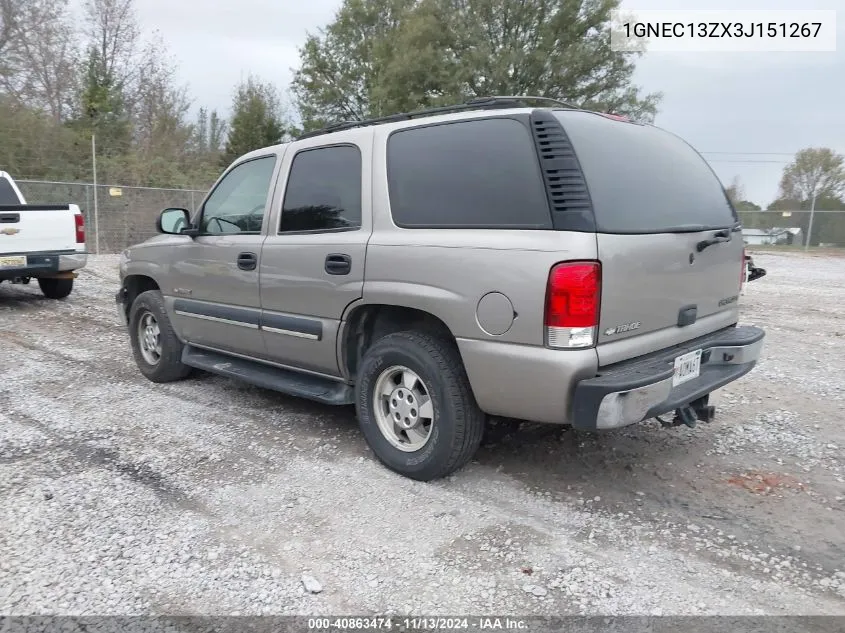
<point>687,367</point>
<point>13,262</point>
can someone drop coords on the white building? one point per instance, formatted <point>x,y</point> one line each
<point>759,237</point>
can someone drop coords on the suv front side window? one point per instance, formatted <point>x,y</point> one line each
<point>237,203</point>
<point>323,191</point>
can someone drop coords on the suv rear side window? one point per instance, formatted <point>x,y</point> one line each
<point>474,174</point>
<point>643,179</point>
<point>323,191</point>
<point>7,194</point>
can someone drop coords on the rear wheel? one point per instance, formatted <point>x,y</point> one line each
<point>53,288</point>
<point>415,405</point>
<point>157,349</point>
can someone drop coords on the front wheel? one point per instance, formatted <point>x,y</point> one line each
<point>54,288</point>
<point>415,405</point>
<point>157,349</point>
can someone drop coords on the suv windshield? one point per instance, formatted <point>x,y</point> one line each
<point>643,179</point>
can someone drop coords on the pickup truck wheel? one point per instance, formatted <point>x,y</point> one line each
<point>415,406</point>
<point>55,288</point>
<point>157,349</point>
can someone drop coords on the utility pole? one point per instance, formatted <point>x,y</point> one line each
<point>96,206</point>
<point>810,229</point>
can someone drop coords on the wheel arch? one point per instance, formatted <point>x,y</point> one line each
<point>366,323</point>
<point>134,285</point>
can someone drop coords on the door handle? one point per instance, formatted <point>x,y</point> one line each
<point>338,264</point>
<point>247,261</point>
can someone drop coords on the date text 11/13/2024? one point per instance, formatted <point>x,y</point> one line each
<point>418,624</point>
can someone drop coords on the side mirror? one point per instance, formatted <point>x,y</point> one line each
<point>173,221</point>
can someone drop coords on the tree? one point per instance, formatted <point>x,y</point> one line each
<point>736,194</point>
<point>161,130</point>
<point>9,44</point>
<point>113,32</point>
<point>208,132</point>
<point>383,56</point>
<point>815,172</point>
<point>205,147</point>
<point>129,99</point>
<point>37,54</point>
<point>256,121</point>
<point>108,76</point>
<point>59,86</point>
<point>735,190</point>
<point>8,19</point>
<point>33,145</point>
<point>102,106</point>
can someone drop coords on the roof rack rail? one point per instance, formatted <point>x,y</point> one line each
<point>479,103</point>
<point>524,99</point>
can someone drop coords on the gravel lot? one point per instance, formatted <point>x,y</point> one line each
<point>118,496</point>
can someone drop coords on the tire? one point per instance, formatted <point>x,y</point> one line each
<point>456,423</point>
<point>162,362</point>
<point>53,288</point>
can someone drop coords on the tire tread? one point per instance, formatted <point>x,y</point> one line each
<point>54,287</point>
<point>470,420</point>
<point>169,367</point>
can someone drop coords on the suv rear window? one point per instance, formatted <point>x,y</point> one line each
<point>643,179</point>
<point>7,194</point>
<point>481,173</point>
<point>323,191</point>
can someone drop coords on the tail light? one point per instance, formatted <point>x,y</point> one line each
<point>80,228</point>
<point>573,296</point>
<point>743,272</point>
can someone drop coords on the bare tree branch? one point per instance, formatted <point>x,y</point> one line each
<point>38,53</point>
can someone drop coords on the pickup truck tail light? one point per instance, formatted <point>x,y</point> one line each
<point>80,228</point>
<point>573,298</point>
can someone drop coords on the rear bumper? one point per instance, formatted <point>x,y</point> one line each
<point>44,264</point>
<point>72,261</point>
<point>633,391</point>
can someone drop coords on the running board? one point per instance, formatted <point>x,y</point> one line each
<point>269,377</point>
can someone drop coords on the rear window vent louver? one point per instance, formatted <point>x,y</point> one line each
<point>569,198</point>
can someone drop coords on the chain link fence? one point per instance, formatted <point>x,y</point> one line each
<point>124,215</point>
<point>127,215</point>
<point>791,228</point>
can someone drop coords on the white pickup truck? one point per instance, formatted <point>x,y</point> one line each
<point>44,242</point>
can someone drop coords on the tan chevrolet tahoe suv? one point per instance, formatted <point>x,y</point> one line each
<point>444,267</point>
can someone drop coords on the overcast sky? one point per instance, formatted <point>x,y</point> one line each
<point>763,107</point>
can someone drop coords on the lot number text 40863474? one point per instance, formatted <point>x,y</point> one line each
<point>417,624</point>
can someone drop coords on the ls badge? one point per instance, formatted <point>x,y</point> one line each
<point>619,329</point>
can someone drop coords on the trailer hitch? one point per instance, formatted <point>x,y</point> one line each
<point>692,413</point>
